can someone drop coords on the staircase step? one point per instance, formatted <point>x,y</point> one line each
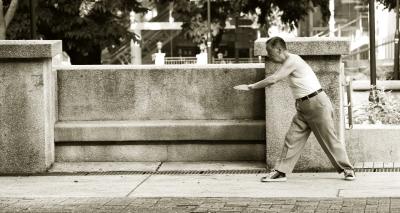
<point>160,130</point>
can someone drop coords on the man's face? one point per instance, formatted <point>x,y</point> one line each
<point>276,54</point>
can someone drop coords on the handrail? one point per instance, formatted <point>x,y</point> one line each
<point>340,27</point>
<point>367,49</point>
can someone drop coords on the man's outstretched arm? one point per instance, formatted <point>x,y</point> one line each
<point>280,74</point>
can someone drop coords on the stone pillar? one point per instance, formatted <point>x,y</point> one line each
<point>159,57</point>
<point>27,105</point>
<point>202,57</point>
<point>324,56</point>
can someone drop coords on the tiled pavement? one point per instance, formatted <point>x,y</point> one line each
<point>167,205</point>
<point>303,192</point>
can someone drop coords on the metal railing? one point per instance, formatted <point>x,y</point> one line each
<point>387,44</point>
<point>349,102</point>
<point>340,28</point>
<point>239,60</point>
<point>193,60</point>
<point>180,60</point>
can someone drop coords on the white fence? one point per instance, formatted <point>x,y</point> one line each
<point>193,60</point>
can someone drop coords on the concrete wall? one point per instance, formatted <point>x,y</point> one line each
<point>158,93</point>
<point>159,113</point>
<point>27,92</point>
<point>323,55</point>
<point>373,143</point>
<point>168,113</point>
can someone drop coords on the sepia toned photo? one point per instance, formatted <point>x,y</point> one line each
<point>199,106</point>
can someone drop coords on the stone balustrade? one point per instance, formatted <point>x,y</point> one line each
<point>27,102</point>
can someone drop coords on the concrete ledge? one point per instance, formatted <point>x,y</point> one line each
<point>363,85</point>
<point>178,67</point>
<point>309,46</point>
<point>70,167</point>
<point>373,143</point>
<point>160,130</point>
<point>161,151</point>
<point>30,48</point>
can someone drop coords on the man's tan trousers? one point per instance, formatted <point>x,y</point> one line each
<point>316,115</point>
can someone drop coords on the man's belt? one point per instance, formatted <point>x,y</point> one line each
<point>310,95</point>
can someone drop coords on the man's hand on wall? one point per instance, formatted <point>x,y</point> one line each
<point>242,87</point>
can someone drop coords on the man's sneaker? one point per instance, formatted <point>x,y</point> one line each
<point>349,175</point>
<point>274,176</point>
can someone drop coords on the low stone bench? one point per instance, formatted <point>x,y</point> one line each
<point>160,140</point>
<point>160,130</point>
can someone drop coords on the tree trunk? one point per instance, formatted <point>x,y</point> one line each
<point>5,19</point>
<point>2,30</point>
<point>11,12</point>
<point>2,22</point>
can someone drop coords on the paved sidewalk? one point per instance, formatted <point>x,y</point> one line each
<point>303,192</point>
<point>328,185</point>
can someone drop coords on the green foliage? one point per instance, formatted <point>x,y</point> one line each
<point>194,13</point>
<point>292,10</point>
<point>385,111</point>
<point>390,4</point>
<point>85,26</point>
<point>194,18</point>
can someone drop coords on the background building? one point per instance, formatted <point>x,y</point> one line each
<point>236,45</point>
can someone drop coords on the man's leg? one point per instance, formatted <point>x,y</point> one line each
<point>322,125</point>
<point>295,140</point>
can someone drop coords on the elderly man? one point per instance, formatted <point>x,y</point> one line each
<point>314,113</point>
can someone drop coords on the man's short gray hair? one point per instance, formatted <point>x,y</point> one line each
<point>276,42</point>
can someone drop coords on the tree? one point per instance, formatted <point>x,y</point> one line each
<point>85,27</point>
<point>194,13</point>
<point>7,12</point>
<point>389,4</point>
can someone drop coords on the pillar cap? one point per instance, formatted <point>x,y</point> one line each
<point>309,46</point>
<point>30,48</point>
